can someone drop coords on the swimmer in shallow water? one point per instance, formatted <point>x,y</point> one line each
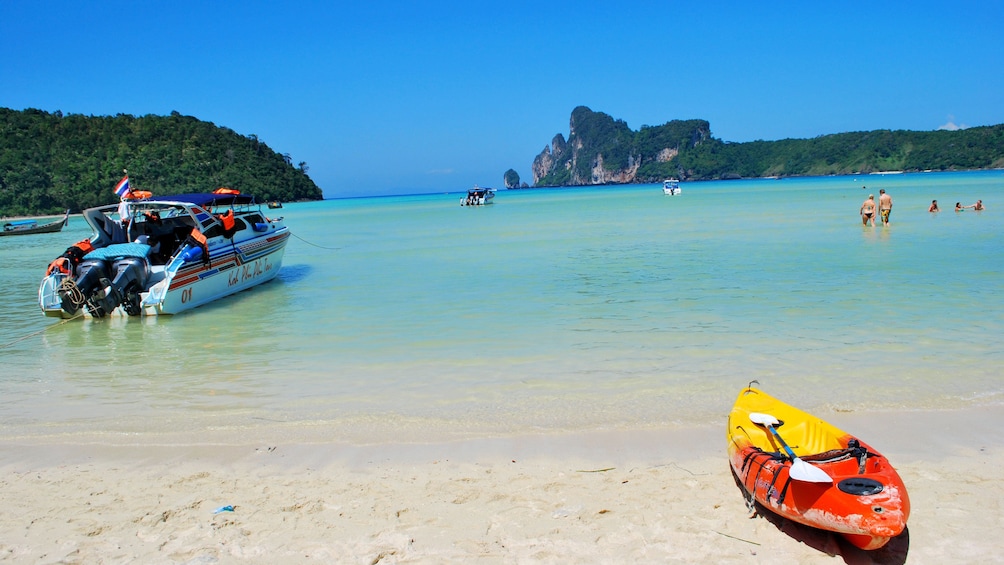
<point>868,211</point>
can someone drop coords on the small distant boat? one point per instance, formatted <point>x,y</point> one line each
<point>26,227</point>
<point>275,204</point>
<point>809,471</point>
<point>478,196</point>
<point>671,187</point>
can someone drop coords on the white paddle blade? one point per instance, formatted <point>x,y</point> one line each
<point>763,419</point>
<point>802,471</point>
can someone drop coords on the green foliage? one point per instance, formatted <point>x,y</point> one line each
<point>50,162</point>
<point>694,155</point>
<point>600,135</point>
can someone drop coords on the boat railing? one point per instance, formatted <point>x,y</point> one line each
<point>159,291</point>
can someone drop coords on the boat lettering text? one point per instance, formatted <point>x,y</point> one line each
<point>186,295</point>
<point>249,272</point>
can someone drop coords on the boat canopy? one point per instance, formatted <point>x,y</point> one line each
<point>205,199</point>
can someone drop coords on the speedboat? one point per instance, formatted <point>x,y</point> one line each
<point>671,187</point>
<point>26,227</point>
<point>164,255</point>
<point>478,196</point>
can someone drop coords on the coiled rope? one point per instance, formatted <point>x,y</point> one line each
<point>70,288</point>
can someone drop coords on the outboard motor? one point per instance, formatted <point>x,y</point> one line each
<point>90,274</point>
<point>107,277</point>
<point>130,277</point>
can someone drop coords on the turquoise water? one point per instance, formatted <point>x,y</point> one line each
<point>568,309</point>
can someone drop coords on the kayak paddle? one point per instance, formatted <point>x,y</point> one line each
<point>800,470</point>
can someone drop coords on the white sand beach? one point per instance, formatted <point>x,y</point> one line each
<point>659,496</point>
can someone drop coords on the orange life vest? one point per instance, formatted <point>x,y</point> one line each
<point>229,225</point>
<point>70,258</point>
<point>199,239</point>
<point>227,220</point>
<point>225,190</point>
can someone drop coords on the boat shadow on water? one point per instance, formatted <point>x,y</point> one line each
<point>893,553</point>
<point>294,273</point>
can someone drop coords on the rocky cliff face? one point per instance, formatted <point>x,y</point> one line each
<point>544,163</point>
<point>601,150</point>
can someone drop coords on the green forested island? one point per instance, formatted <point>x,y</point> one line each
<point>50,162</point>
<point>602,150</point>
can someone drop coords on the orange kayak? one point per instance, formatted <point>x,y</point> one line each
<point>807,470</point>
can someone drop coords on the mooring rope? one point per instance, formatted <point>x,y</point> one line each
<point>314,244</point>
<point>33,334</point>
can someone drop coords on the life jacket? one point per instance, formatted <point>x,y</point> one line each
<point>197,238</point>
<point>229,225</point>
<point>70,258</point>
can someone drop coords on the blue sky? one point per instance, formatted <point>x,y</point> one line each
<point>381,97</point>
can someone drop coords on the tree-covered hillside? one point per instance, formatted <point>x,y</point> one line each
<point>603,150</point>
<point>850,153</point>
<point>50,162</point>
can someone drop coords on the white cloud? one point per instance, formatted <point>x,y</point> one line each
<point>951,125</point>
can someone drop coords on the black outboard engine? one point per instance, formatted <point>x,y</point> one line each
<point>90,274</point>
<point>132,274</point>
<point>130,277</point>
<point>108,277</point>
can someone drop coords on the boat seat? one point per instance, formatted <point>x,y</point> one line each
<point>809,438</point>
<point>118,251</point>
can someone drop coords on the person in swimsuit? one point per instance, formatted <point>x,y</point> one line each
<point>978,205</point>
<point>868,211</point>
<point>885,206</point>
<point>959,207</point>
<point>933,207</point>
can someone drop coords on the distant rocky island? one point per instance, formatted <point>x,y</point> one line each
<point>601,150</point>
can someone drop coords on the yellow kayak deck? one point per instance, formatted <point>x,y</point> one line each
<point>804,433</point>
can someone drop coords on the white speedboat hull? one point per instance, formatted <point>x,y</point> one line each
<point>176,253</point>
<point>671,187</point>
<point>230,272</point>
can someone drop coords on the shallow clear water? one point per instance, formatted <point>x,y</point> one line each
<point>565,309</point>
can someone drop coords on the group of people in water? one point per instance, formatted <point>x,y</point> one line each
<point>883,208</point>
<point>869,208</point>
<point>958,206</point>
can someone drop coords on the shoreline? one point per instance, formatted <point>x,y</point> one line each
<point>608,496</point>
<point>918,433</point>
